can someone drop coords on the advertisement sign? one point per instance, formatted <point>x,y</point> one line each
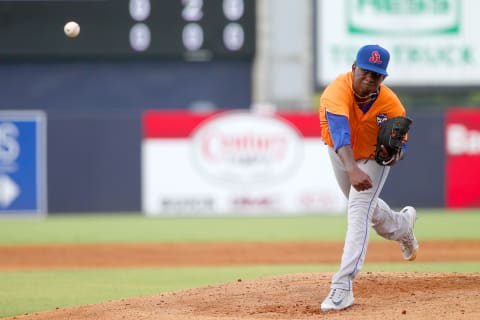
<point>431,42</point>
<point>462,130</point>
<point>23,186</point>
<point>236,162</point>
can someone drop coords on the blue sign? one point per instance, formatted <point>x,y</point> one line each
<point>23,187</point>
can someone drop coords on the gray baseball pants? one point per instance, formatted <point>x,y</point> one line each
<point>365,210</point>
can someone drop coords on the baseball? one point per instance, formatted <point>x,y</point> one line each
<point>71,29</point>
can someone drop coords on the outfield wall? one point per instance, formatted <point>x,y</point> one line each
<point>94,163</point>
<point>99,169</point>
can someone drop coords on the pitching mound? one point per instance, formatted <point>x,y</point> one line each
<point>377,296</point>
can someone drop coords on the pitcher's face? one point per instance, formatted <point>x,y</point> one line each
<point>366,82</point>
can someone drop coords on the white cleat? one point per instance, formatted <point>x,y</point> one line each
<point>409,243</point>
<point>337,299</point>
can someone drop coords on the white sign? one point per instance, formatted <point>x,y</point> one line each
<point>245,149</point>
<point>236,163</point>
<point>431,42</point>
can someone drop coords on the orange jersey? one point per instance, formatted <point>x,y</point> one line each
<point>338,99</point>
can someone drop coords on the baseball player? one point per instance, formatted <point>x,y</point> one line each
<point>352,108</point>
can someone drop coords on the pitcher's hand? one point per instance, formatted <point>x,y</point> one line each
<point>359,179</point>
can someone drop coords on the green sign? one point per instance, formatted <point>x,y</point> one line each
<point>403,17</point>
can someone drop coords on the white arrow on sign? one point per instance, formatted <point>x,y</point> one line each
<point>9,191</point>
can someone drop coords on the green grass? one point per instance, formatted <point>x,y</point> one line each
<point>136,228</point>
<point>31,291</point>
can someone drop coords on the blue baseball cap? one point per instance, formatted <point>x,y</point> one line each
<point>373,58</point>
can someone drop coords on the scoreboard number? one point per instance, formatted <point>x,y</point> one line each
<point>171,29</point>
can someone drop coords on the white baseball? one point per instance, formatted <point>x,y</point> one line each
<point>71,29</point>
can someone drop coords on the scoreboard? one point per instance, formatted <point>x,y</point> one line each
<point>198,30</point>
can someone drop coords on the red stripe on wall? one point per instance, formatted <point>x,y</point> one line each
<point>308,123</point>
<point>181,124</point>
<point>171,124</point>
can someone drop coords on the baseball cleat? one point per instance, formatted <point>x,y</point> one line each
<point>409,243</point>
<point>337,299</point>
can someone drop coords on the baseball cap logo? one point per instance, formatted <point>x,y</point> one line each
<point>375,57</point>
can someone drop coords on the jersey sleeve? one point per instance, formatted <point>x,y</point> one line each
<point>339,129</point>
<point>334,110</point>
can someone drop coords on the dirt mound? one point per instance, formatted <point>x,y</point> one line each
<point>377,296</point>
<point>382,296</point>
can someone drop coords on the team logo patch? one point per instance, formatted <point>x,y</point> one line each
<point>375,57</point>
<point>381,118</point>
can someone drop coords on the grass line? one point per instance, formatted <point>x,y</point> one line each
<point>136,228</point>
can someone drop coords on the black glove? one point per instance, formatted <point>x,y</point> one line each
<point>391,136</point>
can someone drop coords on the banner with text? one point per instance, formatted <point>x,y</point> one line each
<point>462,129</point>
<point>236,162</point>
<point>431,42</point>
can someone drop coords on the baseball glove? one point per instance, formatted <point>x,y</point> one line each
<point>391,136</point>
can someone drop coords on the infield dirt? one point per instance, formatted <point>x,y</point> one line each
<point>378,295</point>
